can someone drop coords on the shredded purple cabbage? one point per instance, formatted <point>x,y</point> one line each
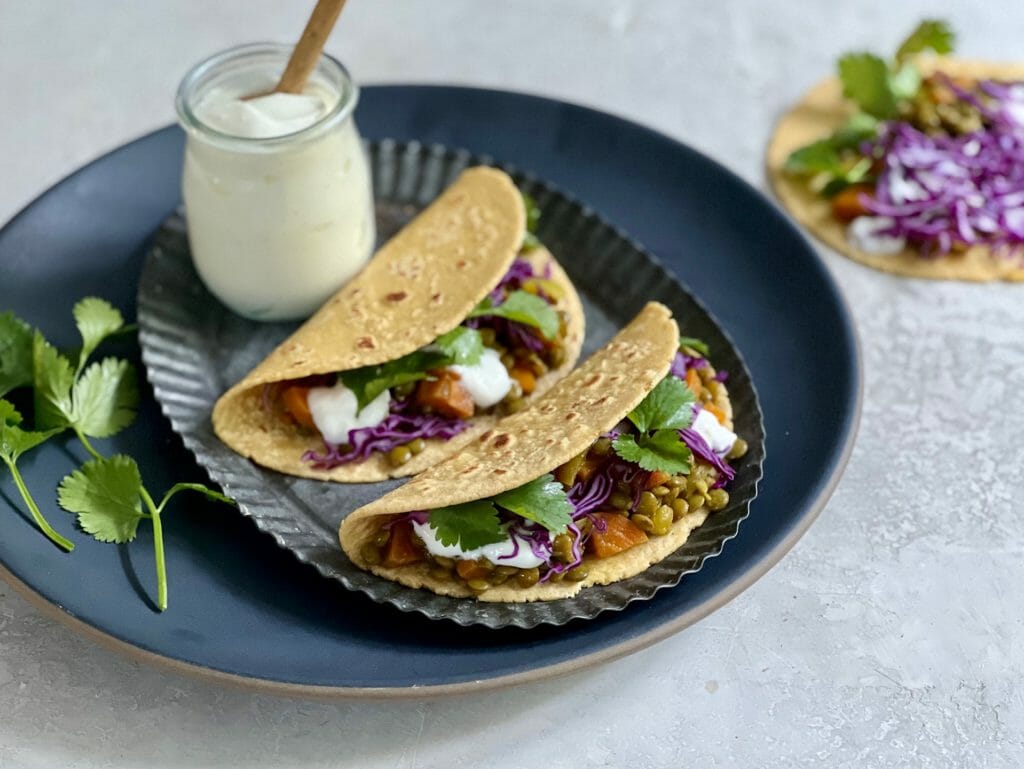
<point>520,271</point>
<point>940,191</point>
<point>700,447</point>
<point>405,423</point>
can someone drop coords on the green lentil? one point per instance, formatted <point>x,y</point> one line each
<point>644,522</point>
<point>416,445</point>
<point>680,508</point>
<point>561,548</point>
<point>660,491</point>
<point>478,585</point>
<point>370,554</point>
<point>718,499</point>
<point>447,563</point>
<point>399,455</point>
<point>662,520</point>
<point>528,577</point>
<point>620,501</point>
<point>695,501</point>
<point>577,574</point>
<point>648,503</point>
<point>382,537</point>
<point>739,448</point>
<point>601,447</point>
<point>440,573</point>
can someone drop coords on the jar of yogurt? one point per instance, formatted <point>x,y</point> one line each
<point>277,188</point>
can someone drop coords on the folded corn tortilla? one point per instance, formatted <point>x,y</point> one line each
<point>526,445</point>
<point>419,285</point>
<point>817,115</point>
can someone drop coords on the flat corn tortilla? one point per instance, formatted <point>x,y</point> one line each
<point>420,284</point>
<point>554,429</point>
<point>823,110</point>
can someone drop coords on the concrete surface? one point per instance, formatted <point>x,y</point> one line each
<point>890,637</point>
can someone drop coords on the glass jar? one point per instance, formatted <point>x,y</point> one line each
<point>280,213</point>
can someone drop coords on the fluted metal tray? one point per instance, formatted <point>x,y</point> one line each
<point>194,349</point>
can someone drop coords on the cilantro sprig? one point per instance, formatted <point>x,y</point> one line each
<point>522,307</point>
<point>461,346</point>
<point>92,400</point>
<point>666,410</point>
<point>474,524</point>
<point>530,240</point>
<point>881,90</point>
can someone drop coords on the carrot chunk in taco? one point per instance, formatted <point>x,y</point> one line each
<point>605,475</point>
<point>459,319</point>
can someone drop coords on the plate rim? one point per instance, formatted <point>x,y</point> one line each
<point>749,575</point>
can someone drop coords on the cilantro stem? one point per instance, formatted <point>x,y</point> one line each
<point>37,515</point>
<point>158,549</point>
<point>88,446</point>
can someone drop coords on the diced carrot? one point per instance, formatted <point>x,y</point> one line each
<point>445,394</point>
<point>719,414</point>
<point>471,570</point>
<point>619,534</point>
<point>656,478</point>
<point>693,381</point>
<point>525,378</point>
<point>847,204</point>
<point>400,549</point>
<point>295,401</point>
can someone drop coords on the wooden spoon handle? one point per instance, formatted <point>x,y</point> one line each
<point>307,51</point>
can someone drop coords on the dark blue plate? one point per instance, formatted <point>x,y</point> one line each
<point>241,609</point>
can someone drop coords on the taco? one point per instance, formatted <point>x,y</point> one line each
<point>911,166</point>
<point>605,475</point>
<point>459,319</point>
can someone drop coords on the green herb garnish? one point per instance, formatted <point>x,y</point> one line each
<point>666,410</point>
<point>93,400</point>
<point>525,308</point>
<point>530,240</point>
<point>881,90</point>
<point>475,524</point>
<point>697,345</point>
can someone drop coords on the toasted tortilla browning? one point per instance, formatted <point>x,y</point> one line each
<point>820,112</point>
<point>420,284</point>
<point>551,431</point>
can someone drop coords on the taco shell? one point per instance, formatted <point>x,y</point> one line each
<point>821,111</point>
<point>522,447</point>
<point>420,284</point>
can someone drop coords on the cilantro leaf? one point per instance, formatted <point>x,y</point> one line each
<point>96,320</point>
<point>13,440</point>
<point>104,398</point>
<point>525,308</point>
<point>53,378</point>
<point>694,344</point>
<point>469,525</point>
<point>370,381</point>
<point>15,353</point>
<point>865,79</point>
<point>930,35</point>
<point>543,501</point>
<point>831,154</point>
<point>462,345</point>
<point>530,240</point>
<point>669,405</point>
<point>104,493</point>
<point>664,451</point>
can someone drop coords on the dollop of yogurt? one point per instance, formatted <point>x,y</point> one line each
<point>716,435</point>
<point>524,559</point>
<point>487,380</point>
<point>864,235</point>
<point>335,411</point>
<point>263,117</point>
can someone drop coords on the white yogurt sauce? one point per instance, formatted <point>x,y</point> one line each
<point>276,228</point>
<point>275,114</point>
<point>524,559</point>
<point>487,380</point>
<point>863,234</point>
<point>334,411</point>
<point>716,435</point>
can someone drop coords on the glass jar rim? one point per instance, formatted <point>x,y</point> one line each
<point>197,76</point>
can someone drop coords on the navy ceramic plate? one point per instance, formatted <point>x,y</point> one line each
<point>243,610</point>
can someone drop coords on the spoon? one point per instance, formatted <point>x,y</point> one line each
<point>307,51</point>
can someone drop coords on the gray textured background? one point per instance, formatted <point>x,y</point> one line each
<point>890,637</point>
